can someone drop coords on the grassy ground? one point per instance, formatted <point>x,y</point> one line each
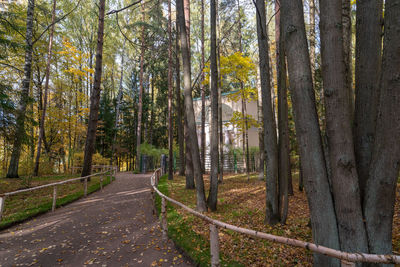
<point>242,203</point>
<point>26,205</point>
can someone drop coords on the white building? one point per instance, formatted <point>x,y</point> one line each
<point>232,138</point>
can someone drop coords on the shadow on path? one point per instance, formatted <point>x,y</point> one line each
<point>114,227</point>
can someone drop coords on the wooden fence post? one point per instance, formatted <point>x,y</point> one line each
<point>214,246</point>
<point>85,188</point>
<point>347,264</point>
<point>164,226</point>
<point>2,204</point>
<point>53,208</point>
<point>101,183</point>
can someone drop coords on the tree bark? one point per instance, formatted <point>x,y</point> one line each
<point>367,74</point>
<point>181,125</point>
<point>95,96</point>
<point>203,95</point>
<point>284,170</point>
<point>213,194</point>
<point>46,89</point>
<point>322,213</point>
<point>385,163</point>
<point>170,126</point>
<point>191,124</point>
<point>344,178</point>
<point>24,100</point>
<point>270,139</point>
<point>140,105</point>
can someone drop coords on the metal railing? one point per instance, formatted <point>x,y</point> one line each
<point>108,170</point>
<point>347,259</point>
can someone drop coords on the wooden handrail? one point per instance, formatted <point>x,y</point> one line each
<point>111,170</point>
<point>348,259</point>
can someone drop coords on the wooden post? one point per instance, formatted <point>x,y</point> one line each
<point>153,198</point>
<point>348,264</point>
<point>164,226</point>
<point>85,188</point>
<point>101,183</point>
<point>2,204</point>
<point>53,208</point>
<point>214,246</point>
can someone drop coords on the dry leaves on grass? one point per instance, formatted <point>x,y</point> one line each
<point>242,203</point>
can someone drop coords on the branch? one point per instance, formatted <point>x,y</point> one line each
<point>122,9</point>
<point>11,66</point>
<point>55,22</point>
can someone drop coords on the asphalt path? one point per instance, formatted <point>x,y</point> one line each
<point>113,227</point>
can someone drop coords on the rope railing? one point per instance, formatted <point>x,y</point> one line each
<point>347,259</point>
<point>111,170</point>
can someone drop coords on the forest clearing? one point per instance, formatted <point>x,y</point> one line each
<point>276,121</point>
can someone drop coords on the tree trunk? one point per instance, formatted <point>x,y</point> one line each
<point>95,96</point>
<point>170,126</point>
<point>117,108</point>
<point>384,168</point>
<point>270,140</point>
<point>193,143</point>
<point>203,95</point>
<point>261,166</point>
<point>220,118</point>
<point>284,170</point>
<point>181,126</point>
<point>367,74</point>
<point>20,114</point>
<point>140,106</point>
<point>46,89</point>
<point>322,213</point>
<point>344,178</point>
<point>213,195</point>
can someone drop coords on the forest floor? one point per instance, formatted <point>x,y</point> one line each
<point>242,203</point>
<point>112,227</point>
<point>22,206</point>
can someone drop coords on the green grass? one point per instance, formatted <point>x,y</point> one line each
<point>179,230</point>
<point>20,211</point>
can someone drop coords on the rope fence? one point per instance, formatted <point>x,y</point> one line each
<point>106,170</point>
<point>347,259</point>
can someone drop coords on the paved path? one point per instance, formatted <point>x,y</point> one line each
<point>115,227</point>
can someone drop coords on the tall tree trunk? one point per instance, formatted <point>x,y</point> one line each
<point>270,140</point>
<point>150,138</point>
<point>170,126</point>
<point>384,168</point>
<point>95,96</point>
<point>284,170</point>
<point>140,105</point>
<point>46,89</point>
<point>188,161</point>
<point>244,115</point>
<point>322,213</point>
<point>203,94</point>
<point>180,124</point>
<point>344,178</point>
<point>21,111</point>
<point>117,108</point>
<point>367,74</point>
<point>221,132</point>
<point>213,195</point>
<point>194,146</point>
<point>261,166</point>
